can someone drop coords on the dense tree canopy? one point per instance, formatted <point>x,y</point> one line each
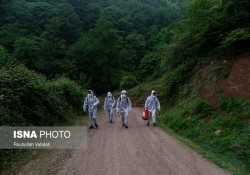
<point>101,40</point>
<point>105,41</point>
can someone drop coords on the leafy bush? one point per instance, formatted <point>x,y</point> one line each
<point>4,56</point>
<point>68,90</point>
<point>201,107</point>
<point>128,81</point>
<point>236,37</point>
<point>148,65</point>
<point>28,98</point>
<point>22,95</point>
<point>176,78</point>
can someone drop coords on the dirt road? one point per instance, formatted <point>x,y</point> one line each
<point>114,150</point>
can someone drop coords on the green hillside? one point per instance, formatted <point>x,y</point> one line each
<point>211,112</point>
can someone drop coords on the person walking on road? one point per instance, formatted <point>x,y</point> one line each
<point>109,104</point>
<point>91,103</point>
<point>152,104</point>
<point>123,107</point>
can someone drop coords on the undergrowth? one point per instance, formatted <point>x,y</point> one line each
<point>223,131</point>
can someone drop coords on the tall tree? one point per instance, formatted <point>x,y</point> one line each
<point>4,57</point>
<point>136,46</point>
<point>97,55</point>
<point>28,51</point>
<point>54,49</point>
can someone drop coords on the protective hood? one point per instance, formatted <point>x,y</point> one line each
<point>90,93</point>
<point>123,94</point>
<point>109,94</point>
<point>153,93</point>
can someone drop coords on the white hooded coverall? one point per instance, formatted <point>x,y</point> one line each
<point>91,103</point>
<point>124,107</point>
<point>109,104</point>
<point>152,104</point>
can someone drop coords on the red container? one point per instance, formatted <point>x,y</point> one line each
<point>145,114</point>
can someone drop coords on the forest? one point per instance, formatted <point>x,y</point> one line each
<point>51,51</point>
<point>100,42</point>
<point>114,43</point>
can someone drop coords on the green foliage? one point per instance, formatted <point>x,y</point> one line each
<point>236,37</point>
<point>99,57</point>
<point>64,37</point>
<point>7,156</point>
<point>148,66</point>
<point>9,33</point>
<point>93,11</point>
<point>4,57</point>
<point>207,28</point>
<point>55,45</point>
<point>40,13</point>
<point>176,78</point>
<point>20,90</point>
<point>27,51</point>
<point>47,36</point>
<point>172,80</point>
<point>28,98</point>
<point>128,82</point>
<point>201,108</point>
<point>135,45</point>
<point>139,90</point>
<point>219,72</point>
<point>196,34</point>
<point>235,105</point>
<point>195,119</point>
<point>69,91</point>
<point>139,16</point>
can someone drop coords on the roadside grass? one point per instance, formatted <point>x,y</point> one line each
<point>213,157</point>
<point>194,122</point>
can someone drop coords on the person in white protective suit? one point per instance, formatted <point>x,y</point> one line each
<point>91,103</point>
<point>109,104</point>
<point>152,104</point>
<point>123,107</point>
